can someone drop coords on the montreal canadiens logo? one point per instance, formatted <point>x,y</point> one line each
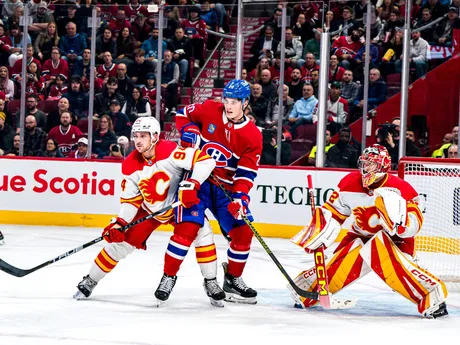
<point>218,152</point>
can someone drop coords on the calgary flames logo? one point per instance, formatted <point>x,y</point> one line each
<point>155,189</point>
<point>367,219</point>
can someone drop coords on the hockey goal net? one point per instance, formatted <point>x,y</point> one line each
<point>438,183</point>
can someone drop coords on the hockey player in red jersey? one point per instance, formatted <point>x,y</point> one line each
<point>152,175</point>
<point>235,143</point>
<point>386,218</point>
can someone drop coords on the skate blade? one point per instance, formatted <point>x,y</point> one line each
<point>215,303</point>
<point>79,296</point>
<point>159,303</point>
<point>235,298</point>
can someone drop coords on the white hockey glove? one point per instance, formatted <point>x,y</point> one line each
<point>323,230</point>
<point>392,209</point>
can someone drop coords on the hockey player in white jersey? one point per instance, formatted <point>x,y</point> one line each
<point>153,177</point>
<point>386,218</point>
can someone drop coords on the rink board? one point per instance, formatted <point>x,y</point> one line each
<point>72,192</point>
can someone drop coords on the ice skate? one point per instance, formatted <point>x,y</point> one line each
<point>236,290</point>
<point>85,288</point>
<point>165,288</point>
<point>214,292</point>
<point>436,311</point>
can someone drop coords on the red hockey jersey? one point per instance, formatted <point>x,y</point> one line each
<point>67,139</point>
<point>52,70</point>
<point>236,148</point>
<point>196,29</point>
<point>103,71</point>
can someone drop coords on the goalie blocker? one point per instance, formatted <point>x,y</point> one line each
<point>386,217</point>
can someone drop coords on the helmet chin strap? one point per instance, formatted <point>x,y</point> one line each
<point>152,144</point>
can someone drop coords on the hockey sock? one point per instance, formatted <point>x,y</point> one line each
<point>108,258</point>
<point>239,249</point>
<point>179,244</point>
<point>205,249</point>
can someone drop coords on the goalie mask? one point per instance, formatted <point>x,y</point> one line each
<point>373,163</point>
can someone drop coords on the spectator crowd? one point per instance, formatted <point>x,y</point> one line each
<point>126,54</point>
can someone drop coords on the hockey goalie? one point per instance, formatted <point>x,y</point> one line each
<point>386,217</point>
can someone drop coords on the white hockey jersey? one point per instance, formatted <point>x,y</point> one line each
<point>152,184</point>
<point>351,199</point>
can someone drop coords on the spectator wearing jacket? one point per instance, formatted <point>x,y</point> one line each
<point>73,44</point>
<point>78,98</point>
<point>418,55</point>
<point>377,91</point>
<point>302,112</point>
<point>103,137</point>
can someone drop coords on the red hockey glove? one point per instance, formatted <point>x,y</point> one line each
<point>112,232</point>
<point>239,206</point>
<point>190,136</point>
<point>188,192</point>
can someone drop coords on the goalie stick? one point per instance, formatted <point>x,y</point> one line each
<point>298,290</point>
<point>320,265</point>
<point>18,272</point>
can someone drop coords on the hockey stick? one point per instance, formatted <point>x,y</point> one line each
<point>18,272</point>
<point>320,261</point>
<point>298,290</point>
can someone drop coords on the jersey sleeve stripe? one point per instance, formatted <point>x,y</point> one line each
<point>135,201</point>
<point>336,214</point>
<point>242,167</point>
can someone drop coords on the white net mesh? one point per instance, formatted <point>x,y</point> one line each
<point>438,244</point>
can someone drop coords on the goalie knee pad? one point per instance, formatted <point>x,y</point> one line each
<point>402,274</point>
<point>345,267</point>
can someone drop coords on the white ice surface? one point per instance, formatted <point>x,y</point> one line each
<point>39,309</point>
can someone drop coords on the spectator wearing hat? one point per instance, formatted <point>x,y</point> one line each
<point>78,98</point>
<point>342,154</point>
<point>140,29</point>
<point>17,40</point>
<point>103,99</point>
<point>34,138</point>
<point>6,134</point>
<point>41,18</point>
<point>418,55</point>
<point>82,150</point>
<point>443,33</point>
<point>103,137</point>
<point>182,50</point>
<point>71,17</point>
<point>119,119</point>
<point>195,30</point>
<point>149,90</point>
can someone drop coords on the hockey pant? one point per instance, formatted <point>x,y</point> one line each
<point>354,259</point>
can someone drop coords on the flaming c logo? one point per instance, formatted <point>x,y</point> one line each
<point>155,189</point>
<point>364,216</point>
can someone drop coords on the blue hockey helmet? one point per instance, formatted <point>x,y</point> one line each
<point>237,88</point>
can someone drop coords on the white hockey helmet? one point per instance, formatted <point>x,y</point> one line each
<point>147,124</point>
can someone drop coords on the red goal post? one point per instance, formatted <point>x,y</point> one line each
<point>438,183</point>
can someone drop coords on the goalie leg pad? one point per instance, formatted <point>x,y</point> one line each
<point>345,267</point>
<point>399,272</point>
<point>108,258</point>
<point>206,254</point>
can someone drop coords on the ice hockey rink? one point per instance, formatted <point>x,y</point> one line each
<point>39,309</point>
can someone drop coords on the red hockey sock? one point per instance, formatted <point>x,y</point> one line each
<point>179,244</point>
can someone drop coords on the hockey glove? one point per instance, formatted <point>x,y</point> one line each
<point>188,191</point>
<point>392,210</point>
<point>190,136</point>
<point>112,232</point>
<point>239,206</point>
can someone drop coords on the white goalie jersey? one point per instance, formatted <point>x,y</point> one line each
<point>152,184</point>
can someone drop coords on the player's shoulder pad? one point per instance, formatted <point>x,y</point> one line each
<point>164,148</point>
<point>351,182</point>
<point>132,163</point>
<point>407,191</point>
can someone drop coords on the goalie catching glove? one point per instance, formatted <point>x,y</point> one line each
<point>322,231</point>
<point>188,193</point>
<point>113,232</point>
<point>392,210</point>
